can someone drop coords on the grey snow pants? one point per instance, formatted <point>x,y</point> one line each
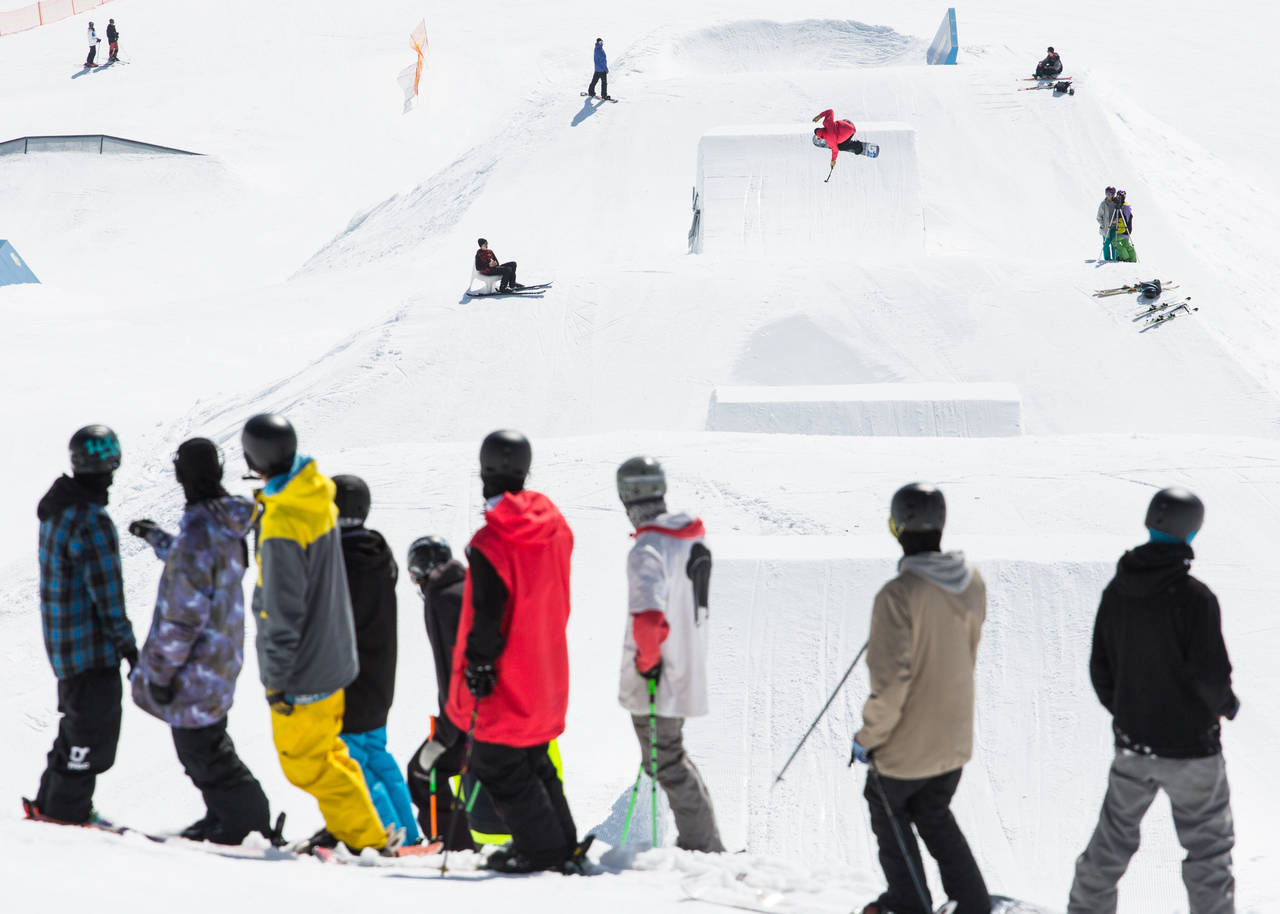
<point>1201,803</point>
<point>686,792</point>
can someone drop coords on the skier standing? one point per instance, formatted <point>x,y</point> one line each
<point>1050,67</point>
<point>1160,667</point>
<point>1124,230</point>
<point>1107,223</point>
<point>113,41</point>
<point>510,682</point>
<point>917,728</point>
<point>487,264</point>
<point>668,584</point>
<point>86,630</point>
<point>94,41</point>
<point>601,74</point>
<point>187,671</point>
<point>306,638</point>
<point>371,580</point>
<point>836,134</point>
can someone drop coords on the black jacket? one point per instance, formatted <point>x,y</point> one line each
<point>371,578</point>
<point>442,608</point>
<point>112,34</point>
<point>1159,664</point>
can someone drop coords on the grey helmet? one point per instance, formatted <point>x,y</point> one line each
<point>1175,512</point>
<point>641,479</point>
<point>427,553</point>
<point>917,507</point>
<point>817,140</point>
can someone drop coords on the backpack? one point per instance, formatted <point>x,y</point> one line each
<point>1149,289</point>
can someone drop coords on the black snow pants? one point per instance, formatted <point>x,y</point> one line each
<point>232,795</point>
<point>85,746</point>
<point>527,793</point>
<point>508,271</point>
<point>440,822</point>
<point>926,804</point>
<point>603,79</point>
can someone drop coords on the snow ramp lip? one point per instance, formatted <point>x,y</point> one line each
<point>93,143</point>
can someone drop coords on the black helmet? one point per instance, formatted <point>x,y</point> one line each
<point>505,454</point>
<point>641,479</point>
<point>917,507</point>
<point>1175,512</point>
<point>427,553</point>
<point>353,500</point>
<point>269,443</point>
<point>95,449</point>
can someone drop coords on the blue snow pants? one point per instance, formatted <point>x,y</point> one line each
<point>386,784</point>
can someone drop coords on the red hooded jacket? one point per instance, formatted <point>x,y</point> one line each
<point>834,132</point>
<point>528,543</point>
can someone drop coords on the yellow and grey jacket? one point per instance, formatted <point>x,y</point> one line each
<point>925,628</point>
<point>306,637</point>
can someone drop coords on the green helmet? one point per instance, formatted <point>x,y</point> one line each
<point>641,479</point>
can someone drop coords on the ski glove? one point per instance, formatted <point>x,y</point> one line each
<point>481,679</point>
<point>860,753</point>
<point>160,694</point>
<point>430,753</point>
<point>654,672</point>
<point>144,529</point>
<point>130,655</point>
<point>280,703</point>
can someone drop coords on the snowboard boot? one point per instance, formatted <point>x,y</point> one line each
<point>200,829</point>
<point>322,838</point>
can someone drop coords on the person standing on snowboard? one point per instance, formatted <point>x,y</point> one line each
<point>836,134</point>
<point>917,723</point>
<point>487,265</point>
<point>189,664</point>
<point>601,74</point>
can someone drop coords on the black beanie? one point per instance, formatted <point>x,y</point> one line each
<point>198,466</point>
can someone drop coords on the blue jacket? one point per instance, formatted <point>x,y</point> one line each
<point>196,642</point>
<point>602,63</point>
<point>81,588</point>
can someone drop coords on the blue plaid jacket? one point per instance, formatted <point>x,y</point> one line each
<point>81,590</point>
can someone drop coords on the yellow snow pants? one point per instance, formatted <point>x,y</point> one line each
<point>315,759</point>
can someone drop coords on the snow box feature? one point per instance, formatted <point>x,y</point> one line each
<point>96,143</point>
<point>952,410</point>
<point>12,268</point>
<point>760,191</point>
<point>945,45</point>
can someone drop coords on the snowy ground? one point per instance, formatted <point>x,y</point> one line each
<point>313,261</point>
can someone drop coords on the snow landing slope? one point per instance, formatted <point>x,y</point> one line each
<point>314,262</point>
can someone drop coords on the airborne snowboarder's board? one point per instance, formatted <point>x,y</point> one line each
<point>611,98</point>
<point>870,150</point>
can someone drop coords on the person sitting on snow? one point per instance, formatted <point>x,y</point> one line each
<point>487,265</point>
<point>1049,67</point>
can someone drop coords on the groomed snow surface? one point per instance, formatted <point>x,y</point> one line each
<point>925,315</point>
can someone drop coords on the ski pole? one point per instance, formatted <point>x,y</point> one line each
<point>834,693</point>
<point>833,168</point>
<point>453,804</point>
<point>653,755</point>
<point>874,774</point>
<point>631,807</point>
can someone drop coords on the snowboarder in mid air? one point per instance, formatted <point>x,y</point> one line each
<point>601,74</point>
<point>487,265</point>
<point>1050,67</point>
<point>113,41</point>
<point>1160,667</point>
<point>838,135</point>
<point>917,723</point>
<point>94,41</point>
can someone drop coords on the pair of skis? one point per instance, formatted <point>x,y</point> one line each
<point>1127,289</point>
<point>524,290</point>
<point>1167,315</point>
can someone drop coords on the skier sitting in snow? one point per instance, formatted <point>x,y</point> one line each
<point>836,134</point>
<point>487,265</point>
<point>1049,67</point>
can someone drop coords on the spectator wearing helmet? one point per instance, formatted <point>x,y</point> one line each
<point>1159,666</point>
<point>86,630</point>
<point>306,635</point>
<point>917,722</point>
<point>1107,210</point>
<point>1124,230</point>
<point>1050,67</point>
<point>371,580</point>
<point>664,653</point>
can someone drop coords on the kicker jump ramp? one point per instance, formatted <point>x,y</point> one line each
<point>893,410</point>
<point>760,190</point>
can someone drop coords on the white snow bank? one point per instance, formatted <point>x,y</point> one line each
<point>955,409</point>
<point>761,188</point>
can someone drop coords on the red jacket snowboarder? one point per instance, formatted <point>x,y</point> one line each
<point>834,133</point>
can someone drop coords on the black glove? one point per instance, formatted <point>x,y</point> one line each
<point>279,702</point>
<point>144,528</point>
<point>160,694</point>
<point>1235,709</point>
<point>481,679</point>
<point>654,672</point>
<point>130,655</point>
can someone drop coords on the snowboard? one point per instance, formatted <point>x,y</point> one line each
<point>611,98</point>
<point>870,150</point>
<point>1003,904</point>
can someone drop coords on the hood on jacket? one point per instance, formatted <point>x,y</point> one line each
<point>679,524</point>
<point>67,492</point>
<point>229,517</point>
<point>303,491</point>
<point>949,570</point>
<point>524,517</point>
<point>442,576</point>
<point>1152,567</point>
<point>365,549</point>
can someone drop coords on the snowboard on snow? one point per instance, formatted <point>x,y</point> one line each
<point>611,98</point>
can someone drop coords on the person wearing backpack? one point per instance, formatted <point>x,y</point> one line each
<point>1124,231</point>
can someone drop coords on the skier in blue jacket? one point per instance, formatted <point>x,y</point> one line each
<point>602,73</point>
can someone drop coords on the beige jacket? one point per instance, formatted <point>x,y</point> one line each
<point>925,627</point>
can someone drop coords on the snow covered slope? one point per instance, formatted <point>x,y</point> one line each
<point>313,261</point>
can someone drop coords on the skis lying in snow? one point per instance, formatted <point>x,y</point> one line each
<point>1121,290</point>
<point>1160,306</point>
<point>1166,316</point>
<point>526,290</point>
<point>602,98</point>
<point>1040,79</point>
<point>1061,85</point>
